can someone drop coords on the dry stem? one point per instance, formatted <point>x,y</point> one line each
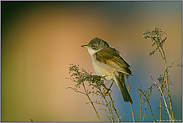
<point>130,103</point>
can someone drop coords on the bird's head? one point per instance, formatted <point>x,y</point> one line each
<point>95,45</point>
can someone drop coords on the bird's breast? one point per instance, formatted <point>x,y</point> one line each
<point>103,69</point>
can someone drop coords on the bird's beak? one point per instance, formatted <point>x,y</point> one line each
<point>84,46</point>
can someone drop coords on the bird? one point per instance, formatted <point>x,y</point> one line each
<point>109,65</point>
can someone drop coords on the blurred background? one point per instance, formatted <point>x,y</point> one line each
<point>40,39</point>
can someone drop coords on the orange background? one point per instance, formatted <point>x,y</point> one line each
<point>40,40</point>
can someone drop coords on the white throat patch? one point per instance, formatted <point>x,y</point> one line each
<point>92,51</point>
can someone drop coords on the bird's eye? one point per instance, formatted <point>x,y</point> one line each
<point>93,46</point>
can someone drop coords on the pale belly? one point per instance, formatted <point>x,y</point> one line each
<point>103,69</point>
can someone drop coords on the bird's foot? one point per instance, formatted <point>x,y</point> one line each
<point>100,76</point>
<point>106,91</point>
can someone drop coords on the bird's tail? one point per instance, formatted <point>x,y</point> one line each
<point>120,81</point>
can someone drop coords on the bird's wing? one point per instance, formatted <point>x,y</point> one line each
<point>111,57</point>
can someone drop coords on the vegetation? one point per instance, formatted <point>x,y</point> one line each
<point>93,85</point>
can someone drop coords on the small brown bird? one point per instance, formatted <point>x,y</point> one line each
<point>109,64</point>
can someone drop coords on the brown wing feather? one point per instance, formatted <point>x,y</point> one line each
<point>111,57</point>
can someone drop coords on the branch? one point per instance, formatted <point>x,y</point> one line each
<point>74,89</point>
<point>91,102</point>
<point>130,103</point>
<point>166,107</point>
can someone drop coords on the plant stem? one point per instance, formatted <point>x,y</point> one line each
<point>166,107</point>
<point>140,108</point>
<point>132,112</point>
<point>91,102</point>
<point>114,108</point>
<point>144,112</point>
<point>107,105</point>
<point>130,103</point>
<point>167,86</point>
<point>149,105</point>
<point>160,107</point>
<point>151,111</point>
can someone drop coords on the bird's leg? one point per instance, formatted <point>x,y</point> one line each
<point>100,76</point>
<point>106,91</point>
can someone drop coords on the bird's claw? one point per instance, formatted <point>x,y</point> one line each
<point>106,91</point>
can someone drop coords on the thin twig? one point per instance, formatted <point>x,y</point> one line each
<point>120,117</point>
<point>132,112</point>
<point>166,107</point>
<point>107,104</point>
<point>111,112</point>
<point>149,105</point>
<point>75,90</point>
<point>140,108</point>
<point>115,111</point>
<point>167,86</point>
<point>151,111</point>
<point>109,118</point>
<point>144,112</point>
<point>91,102</point>
<point>130,102</point>
<point>160,111</point>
